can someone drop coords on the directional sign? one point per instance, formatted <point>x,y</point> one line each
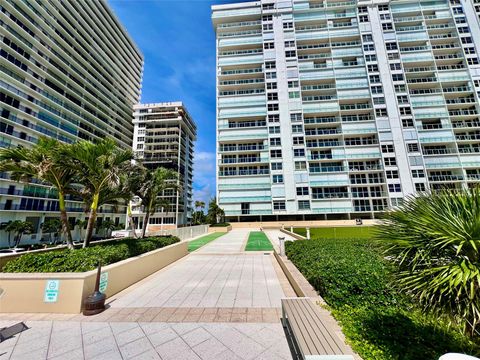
<point>103,282</point>
<point>51,291</point>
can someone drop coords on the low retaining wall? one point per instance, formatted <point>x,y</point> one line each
<point>26,292</point>
<point>213,229</point>
<point>301,224</point>
<point>183,233</point>
<point>294,235</point>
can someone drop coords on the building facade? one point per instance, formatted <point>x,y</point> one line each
<point>69,71</point>
<point>164,136</point>
<point>341,109</point>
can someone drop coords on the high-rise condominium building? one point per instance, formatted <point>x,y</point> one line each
<point>336,109</point>
<point>164,136</point>
<point>69,71</point>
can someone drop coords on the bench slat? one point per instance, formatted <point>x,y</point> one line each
<point>330,338</point>
<point>297,328</point>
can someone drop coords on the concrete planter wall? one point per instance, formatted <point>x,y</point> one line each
<point>213,229</point>
<point>24,292</point>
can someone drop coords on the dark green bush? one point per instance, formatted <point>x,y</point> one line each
<point>220,225</point>
<point>80,260</point>
<point>379,322</point>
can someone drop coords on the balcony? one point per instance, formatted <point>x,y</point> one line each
<point>243,172</point>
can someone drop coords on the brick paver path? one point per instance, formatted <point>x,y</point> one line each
<point>219,302</point>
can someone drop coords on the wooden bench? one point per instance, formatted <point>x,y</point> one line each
<point>312,338</point>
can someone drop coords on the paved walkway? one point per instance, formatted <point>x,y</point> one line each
<point>232,242</point>
<point>217,303</point>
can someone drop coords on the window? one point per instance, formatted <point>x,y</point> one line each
<point>381,112</point>
<point>418,173</point>
<point>279,205</point>
<point>295,117</point>
<point>290,53</point>
<point>391,46</point>
<point>387,26</point>
<point>397,77</point>
<point>420,187</point>
<point>275,154</point>
<point>271,86</point>
<point>390,161</point>
<point>267,27</point>
<point>385,17</point>
<point>379,100</point>
<point>374,78</point>
<point>139,146</point>
<point>303,205</point>
<point>402,99</point>
<point>363,18</point>
<point>290,43</point>
<point>274,130</point>
<point>275,142</point>
<point>372,68</point>
<point>407,123</point>
<point>267,17</point>
<point>377,89</point>
<point>298,140</point>
<point>272,107</point>
<point>367,37</point>
<point>273,118</point>
<point>270,75</point>
<point>394,188</point>
<point>277,166</point>
<point>288,25</point>
<point>369,47</point>
<point>277,179</point>
<point>382,7</point>
<point>400,88</point>
<point>269,45</point>
<point>300,165</point>
<point>405,111</point>
<point>297,129</point>
<point>370,58</point>
<point>302,191</point>
<point>272,96</point>
<point>392,174</point>
<point>413,147</point>
<point>395,66</point>
<point>362,9</point>
<point>294,95</point>
<point>270,65</point>
<point>386,149</point>
<point>293,84</point>
<point>298,152</point>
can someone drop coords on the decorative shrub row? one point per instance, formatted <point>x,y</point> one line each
<point>379,322</point>
<point>86,259</point>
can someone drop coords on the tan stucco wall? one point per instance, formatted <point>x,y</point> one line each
<point>24,292</point>
<point>213,229</point>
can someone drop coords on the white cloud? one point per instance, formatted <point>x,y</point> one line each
<point>204,176</point>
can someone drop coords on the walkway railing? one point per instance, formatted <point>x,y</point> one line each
<point>184,233</point>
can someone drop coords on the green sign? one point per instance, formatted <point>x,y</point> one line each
<point>51,291</point>
<point>103,282</point>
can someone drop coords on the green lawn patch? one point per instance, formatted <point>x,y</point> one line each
<point>198,243</point>
<point>379,322</point>
<point>258,241</point>
<point>80,260</point>
<point>357,232</point>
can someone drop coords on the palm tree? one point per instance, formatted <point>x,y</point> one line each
<point>149,185</point>
<point>98,167</point>
<point>82,224</point>
<point>215,212</point>
<point>52,226</point>
<point>435,240</point>
<point>108,225</point>
<point>43,162</point>
<point>19,228</point>
<point>4,226</point>
<point>199,204</point>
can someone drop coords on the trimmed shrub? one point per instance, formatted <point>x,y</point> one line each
<point>379,322</point>
<point>81,260</point>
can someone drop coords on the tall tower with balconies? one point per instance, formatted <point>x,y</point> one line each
<point>333,109</point>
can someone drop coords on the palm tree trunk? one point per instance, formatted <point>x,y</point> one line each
<point>91,220</point>
<point>145,224</point>
<point>64,219</point>
<point>130,220</point>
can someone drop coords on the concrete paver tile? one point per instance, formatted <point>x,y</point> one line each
<point>148,355</point>
<point>136,347</point>
<point>111,355</point>
<point>163,336</point>
<point>100,347</point>
<point>196,336</point>
<point>209,349</point>
<point>172,349</point>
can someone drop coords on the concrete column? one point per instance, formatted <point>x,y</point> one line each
<point>308,233</point>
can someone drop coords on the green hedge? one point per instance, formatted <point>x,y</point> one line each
<point>80,260</point>
<point>220,225</point>
<point>379,322</point>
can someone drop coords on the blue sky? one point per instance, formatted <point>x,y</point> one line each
<point>177,40</point>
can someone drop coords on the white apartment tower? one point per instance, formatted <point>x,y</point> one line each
<point>70,71</point>
<point>164,135</point>
<point>340,109</point>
